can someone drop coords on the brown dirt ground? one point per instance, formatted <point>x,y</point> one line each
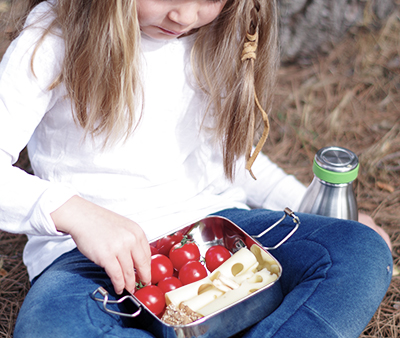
<point>349,98</point>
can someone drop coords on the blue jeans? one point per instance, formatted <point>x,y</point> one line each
<point>335,274</point>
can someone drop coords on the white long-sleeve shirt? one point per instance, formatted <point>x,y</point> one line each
<point>166,175</point>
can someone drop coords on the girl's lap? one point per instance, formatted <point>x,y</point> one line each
<point>335,274</point>
<point>59,303</point>
<point>332,270</point>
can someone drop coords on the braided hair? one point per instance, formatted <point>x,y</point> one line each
<point>239,75</point>
<point>235,59</point>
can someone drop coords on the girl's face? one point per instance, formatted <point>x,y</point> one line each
<point>168,19</point>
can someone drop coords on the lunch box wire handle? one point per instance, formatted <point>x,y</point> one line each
<point>296,220</point>
<point>104,293</point>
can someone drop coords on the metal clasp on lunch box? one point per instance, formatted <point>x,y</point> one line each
<point>296,220</point>
<point>104,293</point>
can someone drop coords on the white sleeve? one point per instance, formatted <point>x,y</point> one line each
<point>25,200</point>
<point>273,188</point>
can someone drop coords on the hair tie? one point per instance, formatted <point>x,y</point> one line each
<point>262,139</point>
<point>249,53</point>
<point>250,47</point>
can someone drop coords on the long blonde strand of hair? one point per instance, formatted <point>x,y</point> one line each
<point>101,68</point>
<point>231,82</point>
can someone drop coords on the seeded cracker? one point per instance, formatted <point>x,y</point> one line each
<point>179,316</point>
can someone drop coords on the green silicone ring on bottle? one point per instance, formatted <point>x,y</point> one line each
<point>335,177</point>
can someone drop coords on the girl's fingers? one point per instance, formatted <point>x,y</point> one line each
<point>134,255</point>
<point>112,241</point>
<point>143,263</point>
<point>141,255</point>
<point>114,271</point>
<point>128,271</point>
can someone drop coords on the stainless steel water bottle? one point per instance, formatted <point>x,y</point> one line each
<point>331,190</point>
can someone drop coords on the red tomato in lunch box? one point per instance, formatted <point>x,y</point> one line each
<point>192,272</point>
<point>215,256</point>
<point>153,298</point>
<point>154,250</point>
<point>165,244</point>
<point>168,284</point>
<point>161,267</point>
<point>184,252</point>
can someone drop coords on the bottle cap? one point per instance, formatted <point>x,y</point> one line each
<point>336,165</point>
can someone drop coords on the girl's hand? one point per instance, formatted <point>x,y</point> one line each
<point>110,240</point>
<point>368,221</point>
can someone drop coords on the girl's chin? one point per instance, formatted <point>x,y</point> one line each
<point>159,33</point>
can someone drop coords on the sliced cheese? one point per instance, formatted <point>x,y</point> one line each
<point>265,260</point>
<point>203,299</point>
<point>228,282</point>
<point>243,273</point>
<point>221,286</point>
<point>188,291</point>
<point>242,277</point>
<point>274,268</point>
<point>238,264</point>
<point>256,282</point>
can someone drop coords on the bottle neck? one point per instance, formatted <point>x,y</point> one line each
<point>334,185</point>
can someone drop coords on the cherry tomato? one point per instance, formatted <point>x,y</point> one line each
<point>161,267</point>
<point>215,256</point>
<point>183,252</point>
<point>154,250</point>
<point>192,272</point>
<point>169,284</point>
<point>152,297</point>
<point>165,244</point>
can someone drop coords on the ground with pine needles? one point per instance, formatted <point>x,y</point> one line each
<point>348,98</point>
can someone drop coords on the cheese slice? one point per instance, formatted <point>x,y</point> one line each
<point>188,291</point>
<point>265,260</point>
<point>248,271</point>
<point>238,264</point>
<point>202,300</point>
<point>239,279</point>
<point>256,282</point>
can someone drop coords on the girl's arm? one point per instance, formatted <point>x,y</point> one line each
<point>31,205</point>
<point>273,189</point>
<point>25,200</point>
<point>112,241</point>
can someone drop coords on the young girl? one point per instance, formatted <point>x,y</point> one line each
<point>139,118</point>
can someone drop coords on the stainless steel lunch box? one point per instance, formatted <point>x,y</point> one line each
<point>238,316</point>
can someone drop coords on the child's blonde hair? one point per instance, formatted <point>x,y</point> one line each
<point>102,40</point>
